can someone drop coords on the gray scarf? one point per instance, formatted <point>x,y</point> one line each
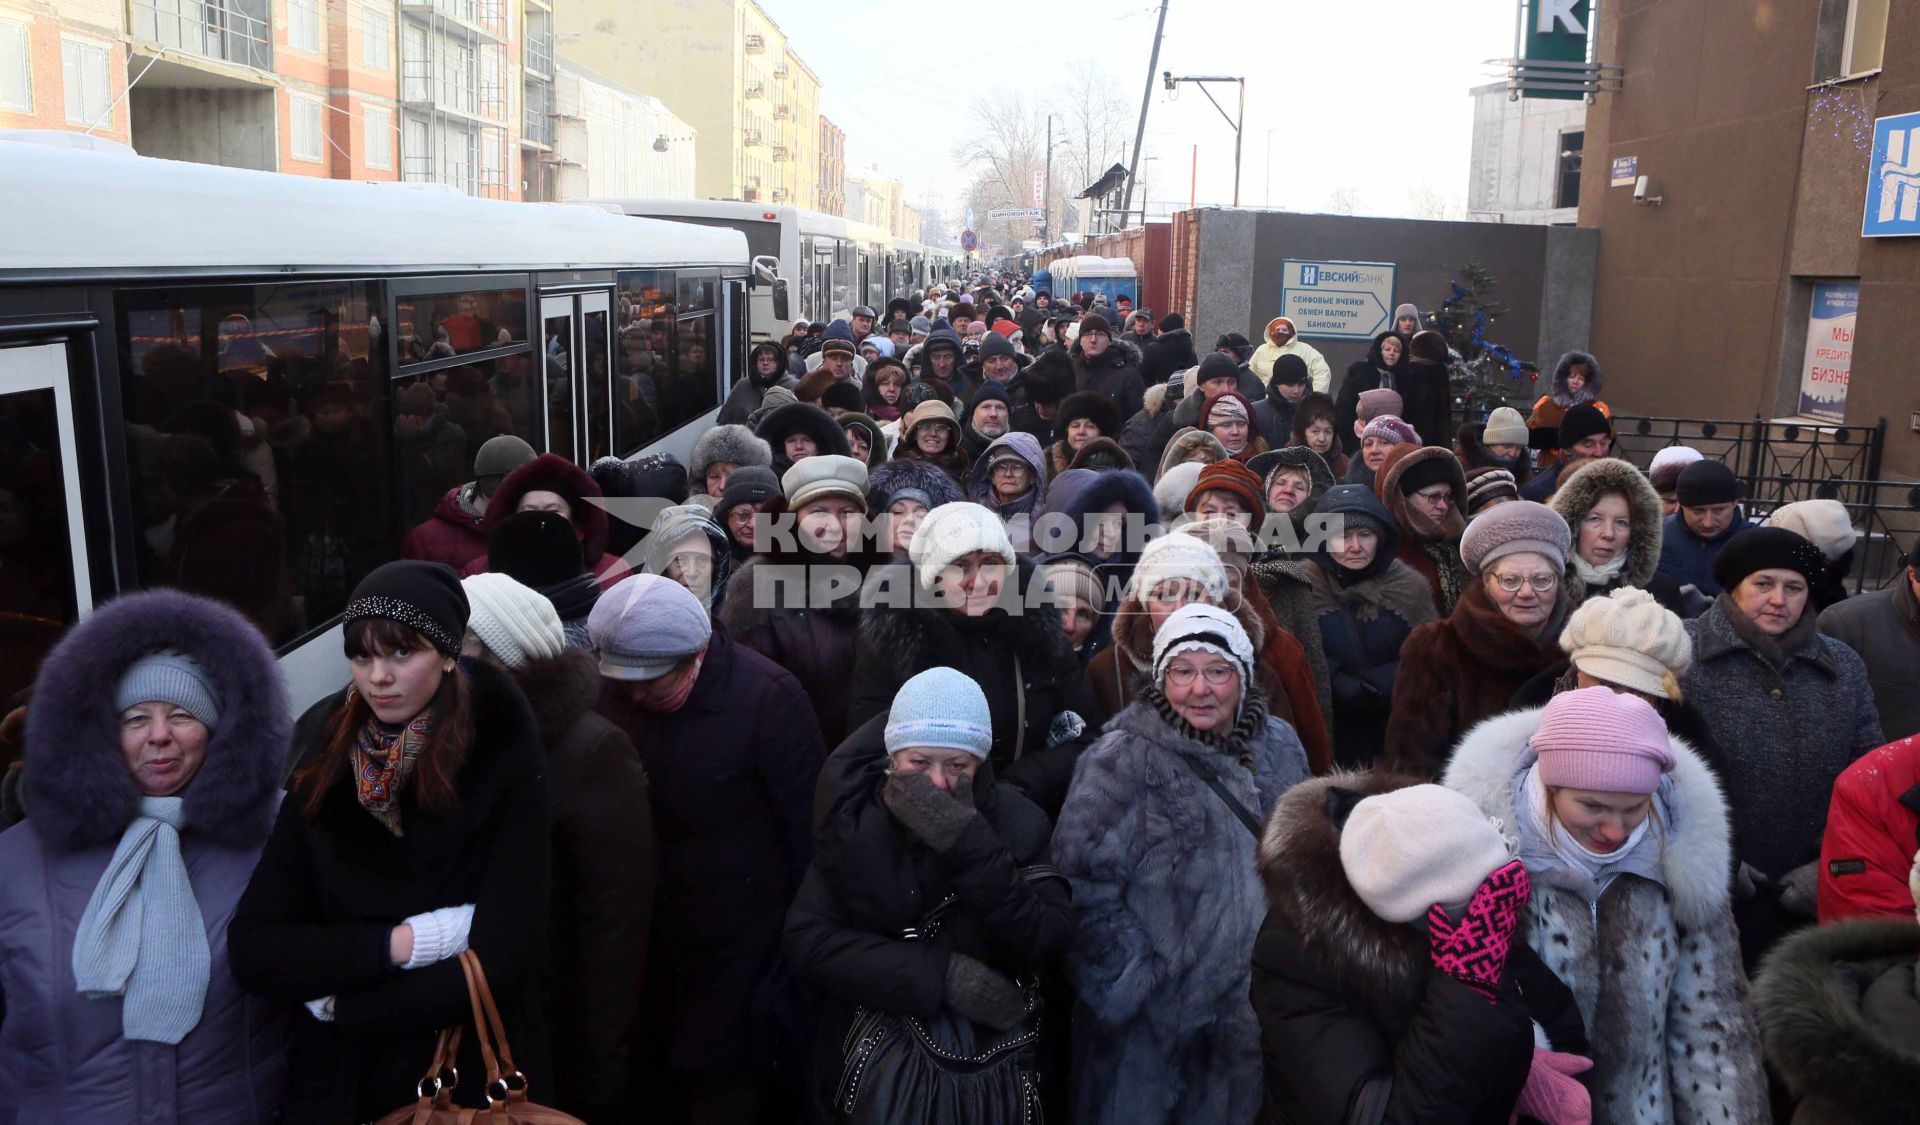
<point>142,937</point>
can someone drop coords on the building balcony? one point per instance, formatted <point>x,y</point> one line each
<point>782,70</point>
<point>754,138</point>
<point>486,18</point>
<point>782,153</point>
<point>756,89</point>
<point>537,126</point>
<point>783,112</point>
<point>756,44</point>
<point>234,31</point>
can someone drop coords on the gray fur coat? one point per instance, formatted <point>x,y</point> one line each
<point>1655,969</point>
<point>1169,902</point>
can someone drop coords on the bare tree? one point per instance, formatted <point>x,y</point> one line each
<point>1425,202</point>
<point>1341,200</point>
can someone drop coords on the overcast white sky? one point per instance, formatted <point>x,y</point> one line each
<point>1364,95</point>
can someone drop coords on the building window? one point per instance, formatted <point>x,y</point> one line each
<point>376,38</point>
<point>303,25</point>
<point>378,123</point>
<point>305,115</point>
<point>1866,34</point>
<point>16,70</point>
<point>83,67</point>
<point>1567,188</point>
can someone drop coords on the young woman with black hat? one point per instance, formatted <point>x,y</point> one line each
<point>415,828</point>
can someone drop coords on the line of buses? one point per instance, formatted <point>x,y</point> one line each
<point>172,333</point>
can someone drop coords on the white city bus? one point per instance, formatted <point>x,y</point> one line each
<point>171,333</point>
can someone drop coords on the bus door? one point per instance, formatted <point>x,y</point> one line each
<point>42,517</point>
<point>576,340</point>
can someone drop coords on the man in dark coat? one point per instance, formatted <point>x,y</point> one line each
<point>1169,352</point>
<point>1427,389</point>
<point>732,752</point>
<point>1038,392</point>
<point>1112,367</point>
<point>766,368</point>
<point>1884,628</point>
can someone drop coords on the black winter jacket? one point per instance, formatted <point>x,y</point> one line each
<point>871,880</point>
<point>1355,1022</point>
<point>897,643</point>
<point>1169,352</point>
<point>315,920</point>
<point>1116,373</point>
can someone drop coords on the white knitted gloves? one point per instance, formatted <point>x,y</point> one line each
<point>439,935</point>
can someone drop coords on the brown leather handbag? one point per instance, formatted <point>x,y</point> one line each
<point>506,1087</point>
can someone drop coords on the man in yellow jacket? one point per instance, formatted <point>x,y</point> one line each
<point>1282,339</point>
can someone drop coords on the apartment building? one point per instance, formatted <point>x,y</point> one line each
<point>722,66</point>
<point>63,65</point>
<point>830,192</point>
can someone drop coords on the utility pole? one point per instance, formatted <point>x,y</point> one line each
<point>1046,192</point>
<point>1146,99</point>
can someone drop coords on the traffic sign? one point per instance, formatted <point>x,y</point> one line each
<point>1015,213</point>
<point>1337,300</point>
<point>969,241</point>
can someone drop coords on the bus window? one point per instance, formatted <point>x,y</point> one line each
<point>594,373</point>
<point>442,326</point>
<point>692,390</point>
<point>645,357</point>
<point>257,445</point>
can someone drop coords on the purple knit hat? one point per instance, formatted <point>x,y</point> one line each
<point>1393,429</point>
<point>1599,739</point>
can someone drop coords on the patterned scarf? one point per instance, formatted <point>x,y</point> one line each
<point>1236,740</point>
<point>383,758</point>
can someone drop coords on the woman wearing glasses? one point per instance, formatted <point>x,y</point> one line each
<point>1158,836</point>
<point>1466,667</point>
<point>1425,489</point>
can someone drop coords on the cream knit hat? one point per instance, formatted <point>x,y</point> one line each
<point>1824,523</point>
<point>1407,850</point>
<point>1179,557</point>
<point>1504,427</point>
<point>952,530</point>
<point>517,624</point>
<point>1629,640</point>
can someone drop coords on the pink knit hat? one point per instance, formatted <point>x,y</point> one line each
<point>1599,739</point>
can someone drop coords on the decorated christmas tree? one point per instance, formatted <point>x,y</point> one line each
<point>1484,374</point>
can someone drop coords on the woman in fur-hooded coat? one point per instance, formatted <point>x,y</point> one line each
<point>1356,1022</point>
<point>1164,1032</point>
<point>1838,1008</point>
<point>1636,565</point>
<point>800,418</point>
<point>551,472</point>
<point>1653,959</point>
<point>1552,408</point>
<point>65,1056</point>
<point>1184,446</point>
<point>1431,547</point>
<point>1064,521</point>
<point>734,445</point>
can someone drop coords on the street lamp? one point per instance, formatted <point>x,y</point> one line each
<point>1201,81</point>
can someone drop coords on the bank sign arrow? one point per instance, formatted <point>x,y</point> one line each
<point>1337,300</point>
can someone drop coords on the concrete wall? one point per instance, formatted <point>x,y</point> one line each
<point>1514,167</point>
<point>1542,274</point>
<point>1700,303</point>
<point>232,127</point>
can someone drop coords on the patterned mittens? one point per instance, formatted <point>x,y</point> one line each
<point>1473,950</point>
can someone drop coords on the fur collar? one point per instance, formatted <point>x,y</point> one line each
<point>1696,852</point>
<point>1237,741</point>
<point>560,691</point>
<point>77,784</point>
<point>1307,889</point>
<point>1486,633</point>
<point>1816,1033</point>
<point>1581,489</point>
<point>916,639</point>
<point>1399,590</point>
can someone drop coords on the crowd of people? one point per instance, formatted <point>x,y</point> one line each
<point>1008,709</point>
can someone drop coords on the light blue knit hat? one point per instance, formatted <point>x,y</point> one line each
<point>169,676</point>
<point>940,709</point>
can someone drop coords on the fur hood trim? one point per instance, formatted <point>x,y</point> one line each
<point>1154,399</point>
<point>1387,488</point>
<point>1101,446</point>
<point>560,691</point>
<point>1185,443</point>
<point>77,783</point>
<point>1307,887</point>
<point>734,444</point>
<point>1581,489</point>
<point>801,418</point>
<point>1590,393</point>
<point>891,477</point>
<point>1123,487</point>
<point>1696,852</point>
<point>1817,1035</point>
<point>551,472</point>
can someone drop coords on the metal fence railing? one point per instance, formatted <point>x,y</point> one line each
<point>1781,462</point>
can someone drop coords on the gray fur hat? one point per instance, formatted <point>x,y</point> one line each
<point>734,444</point>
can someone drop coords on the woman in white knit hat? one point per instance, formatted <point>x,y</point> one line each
<point>1626,838</point>
<point>966,601</point>
<point>1370,1008</point>
<point>1158,833</point>
<point>603,856</point>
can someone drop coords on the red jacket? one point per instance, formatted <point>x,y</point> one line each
<point>1873,831</point>
<point>450,535</point>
